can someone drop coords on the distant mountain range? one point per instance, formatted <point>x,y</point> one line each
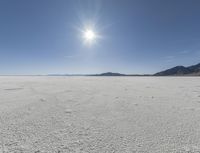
<point>108,74</point>
<point>117,74</point>
<point>101,74</point>
<point>193,70</point>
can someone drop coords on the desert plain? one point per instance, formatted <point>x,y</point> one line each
<point>49,114</point>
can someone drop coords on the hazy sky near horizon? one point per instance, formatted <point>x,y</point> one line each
<point>136,36</point>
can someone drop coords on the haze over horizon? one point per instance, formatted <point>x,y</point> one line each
<point>129,36</point>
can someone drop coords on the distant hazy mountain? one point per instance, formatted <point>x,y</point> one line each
<point>193,70</point>
<point>101,74</point>
<point>109,74</point>
<point>118,74</point>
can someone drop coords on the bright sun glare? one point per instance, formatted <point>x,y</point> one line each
<point>89,35</point>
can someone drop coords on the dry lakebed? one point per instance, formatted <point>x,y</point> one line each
<point>49,114</point>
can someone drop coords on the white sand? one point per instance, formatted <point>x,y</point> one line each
<point>100,114</point>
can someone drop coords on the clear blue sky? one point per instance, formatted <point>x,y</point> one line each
<point>137,36</point>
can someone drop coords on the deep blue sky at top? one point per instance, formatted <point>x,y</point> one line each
<point>137,36</point>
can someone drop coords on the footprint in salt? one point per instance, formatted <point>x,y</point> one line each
<point>136,104</point>
<point>42,99</point>
<point>68,111</point>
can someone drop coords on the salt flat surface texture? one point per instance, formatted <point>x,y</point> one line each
<point>99,114</point>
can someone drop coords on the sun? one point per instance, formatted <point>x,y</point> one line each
<point>89,35</point>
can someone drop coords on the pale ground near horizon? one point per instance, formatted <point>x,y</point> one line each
<point>99,114</point>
